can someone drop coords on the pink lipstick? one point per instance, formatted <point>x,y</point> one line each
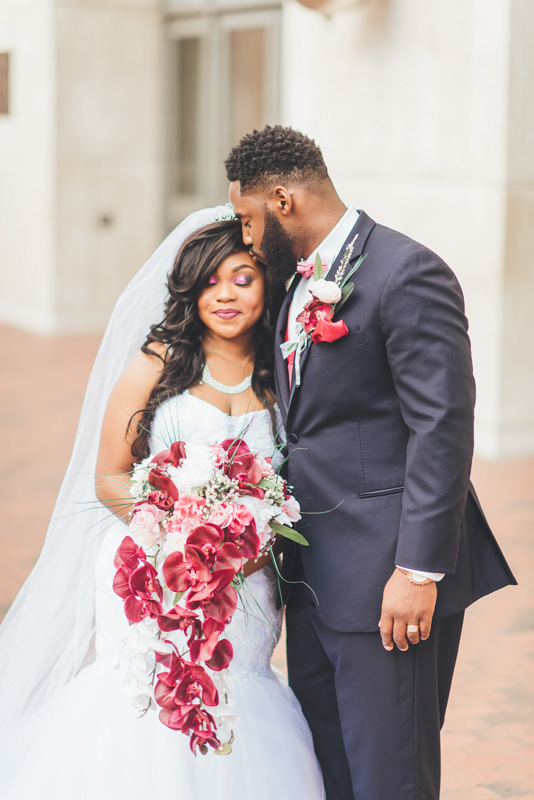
<point>227,313</point>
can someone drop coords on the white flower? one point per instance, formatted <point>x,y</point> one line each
<point>139,478</point>
<point>175,541</point>
<point>262,512</point>
<point>196,469</point>
<point>326,291</point>
<point>225,720</point>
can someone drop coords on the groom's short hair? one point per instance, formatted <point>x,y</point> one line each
<point>275,155</point>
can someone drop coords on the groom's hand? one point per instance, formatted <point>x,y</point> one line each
<point>405,604</point>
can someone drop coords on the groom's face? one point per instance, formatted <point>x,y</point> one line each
<point>265,236</point>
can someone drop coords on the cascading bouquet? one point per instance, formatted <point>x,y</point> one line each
<point>200,511</point>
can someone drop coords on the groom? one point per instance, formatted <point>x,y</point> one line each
<point>378,406</point>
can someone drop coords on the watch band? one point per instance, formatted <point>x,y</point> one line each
<point>412,579</point>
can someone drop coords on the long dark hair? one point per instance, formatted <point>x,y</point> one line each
<point>181,329</point>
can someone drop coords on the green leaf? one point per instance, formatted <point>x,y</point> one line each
<point>177,597</point>
<point>318,273</point>
<point>289,533</point>
<point>345,294</point>
<point>357,265</point>
<point>267,483</point>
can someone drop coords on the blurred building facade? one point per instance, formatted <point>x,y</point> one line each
<point>116,116</point>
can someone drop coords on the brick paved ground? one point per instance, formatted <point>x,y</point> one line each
<point>488,748</point>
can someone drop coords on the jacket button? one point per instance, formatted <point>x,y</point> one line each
<point>293,437</point>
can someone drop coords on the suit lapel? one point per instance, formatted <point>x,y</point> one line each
<point>363,227</point>
<point>280,363</point>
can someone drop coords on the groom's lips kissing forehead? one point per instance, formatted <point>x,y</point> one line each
<point>256,257</point>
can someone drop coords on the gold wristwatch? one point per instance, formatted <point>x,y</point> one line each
<point>414,578</point>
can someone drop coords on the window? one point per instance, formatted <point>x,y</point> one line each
<point>222,73</point>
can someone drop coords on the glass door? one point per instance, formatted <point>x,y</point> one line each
<point>223,81</point>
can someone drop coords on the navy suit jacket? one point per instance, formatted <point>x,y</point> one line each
<point>380,439</point>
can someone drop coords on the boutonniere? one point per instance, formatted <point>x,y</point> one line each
<point>315,320</point>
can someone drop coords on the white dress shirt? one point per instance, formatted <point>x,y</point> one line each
<point>328,250</point>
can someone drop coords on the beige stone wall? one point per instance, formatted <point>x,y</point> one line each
<point>425,117</point>
<point>81,175</point>
<point>26,165</point>
<point>423,110</point>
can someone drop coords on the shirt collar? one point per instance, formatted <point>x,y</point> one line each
<point>334,241</point>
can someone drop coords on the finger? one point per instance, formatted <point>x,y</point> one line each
<point>412,633</point>
<point>386,630</point>
<point>425,624</point>
<point>399,634</point>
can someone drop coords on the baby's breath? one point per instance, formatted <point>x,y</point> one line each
<point>220,488</point>
<point>275,495</point>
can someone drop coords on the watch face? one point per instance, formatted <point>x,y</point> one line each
<point>418,578</point>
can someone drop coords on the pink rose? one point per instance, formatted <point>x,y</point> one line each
<point>189,506</point>
<point>189,512</point>
<point>292,508</point>
<point>307,268</point>
<point>265,465</point>
<point>145,524</point>
<point>241,518</point>
<point>222,516</point>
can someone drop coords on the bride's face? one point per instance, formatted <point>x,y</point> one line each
<point>233,300</point>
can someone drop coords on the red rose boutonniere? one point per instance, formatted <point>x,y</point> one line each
<point>315,319</point>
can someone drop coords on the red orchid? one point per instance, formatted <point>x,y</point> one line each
<point>217,598</point>
<point>139,593</point>
<point>196,683</point>
<point>136,582</point>
<point>192,718</point>
<point>160,500</point>
<point>128,556</point>
<point>243,466</point>
<point>192,683</point>
<point>235,447</point>
<point>186,572</point>
<point>165,485</point>
<point>173,456</point>
<point>314,311</point>
<point>181,619</point>
<point>217,654</point>
<point>246,539</point>
<point>202,742</point>
<point>218,554</point>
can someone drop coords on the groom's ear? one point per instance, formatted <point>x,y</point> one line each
<point>283,200</point>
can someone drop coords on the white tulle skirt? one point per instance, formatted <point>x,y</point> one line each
<point>91,745</point>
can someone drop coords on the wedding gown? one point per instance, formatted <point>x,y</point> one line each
<point>89,743</point>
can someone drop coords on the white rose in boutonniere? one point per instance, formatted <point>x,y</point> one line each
<point>326,291</point>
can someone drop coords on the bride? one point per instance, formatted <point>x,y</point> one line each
<point>67,727</point>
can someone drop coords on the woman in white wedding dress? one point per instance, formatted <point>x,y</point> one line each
<point>70,731</point>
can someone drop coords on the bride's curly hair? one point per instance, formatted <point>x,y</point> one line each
<point>181,331</point>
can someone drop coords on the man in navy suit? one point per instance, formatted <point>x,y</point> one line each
<point>379,423</point>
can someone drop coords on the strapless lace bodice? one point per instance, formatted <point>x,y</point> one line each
<point>187,418</point>
<point>255,627</point>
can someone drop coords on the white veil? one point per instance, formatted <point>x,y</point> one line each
<point>48,632</point>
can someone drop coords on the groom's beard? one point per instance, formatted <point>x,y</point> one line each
<point>278,248</point>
